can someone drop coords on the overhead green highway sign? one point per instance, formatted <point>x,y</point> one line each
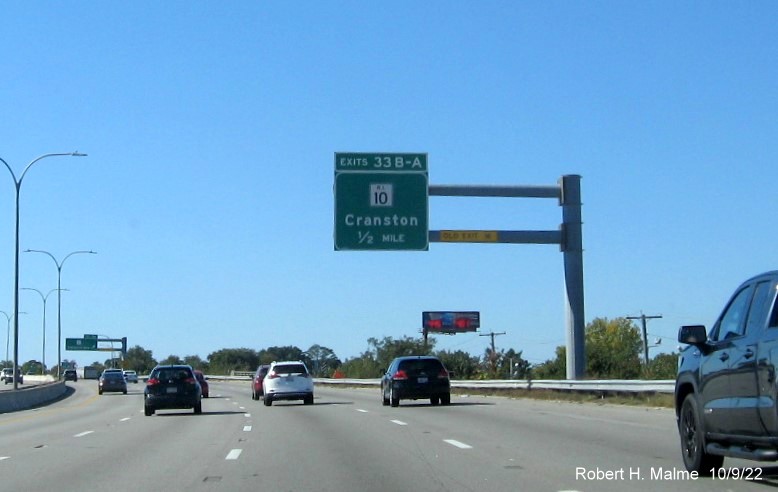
<point>381,201</point>
<point>81,344</point>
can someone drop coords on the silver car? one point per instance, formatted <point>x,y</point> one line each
<point>288,380</point>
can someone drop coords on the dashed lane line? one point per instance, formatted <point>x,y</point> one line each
<point>82,434</point>
<point>398,422</point>
<point>233,455</point>
<point>246,428</point>
<point>458,444</point>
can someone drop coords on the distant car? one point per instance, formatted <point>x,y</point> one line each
<point>112,381</point>
<point>288,380</point>
<point>172,387</point>
<point>70,375</point>
<point>416,378</point>
<point>131,376</point>
<point>8,376</point>
<point>256,383</point>
<point>203,383</point>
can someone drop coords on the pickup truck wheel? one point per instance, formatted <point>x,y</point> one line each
<point>692,443</point>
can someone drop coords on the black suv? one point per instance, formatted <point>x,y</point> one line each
<point>726,392</point>
<point>416,377</point>
<point>70,375</point>
<point>173,386</point>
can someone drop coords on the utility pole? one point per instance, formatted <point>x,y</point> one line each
<point>492,334</point>
<point>643,319</point>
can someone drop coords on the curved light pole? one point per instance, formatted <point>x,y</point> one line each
<point>8,332</point>
<point>59,298</point>
<point>18,184</point>
<point>108,337</point>
<point>44,298</point>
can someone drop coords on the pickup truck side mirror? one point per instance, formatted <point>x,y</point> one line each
<point>693,334</point>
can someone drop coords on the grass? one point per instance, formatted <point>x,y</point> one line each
<point>661,400</point>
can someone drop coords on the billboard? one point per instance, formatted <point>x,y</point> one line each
<point>450,321</point>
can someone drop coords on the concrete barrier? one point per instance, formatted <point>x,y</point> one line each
<point>31,396</point>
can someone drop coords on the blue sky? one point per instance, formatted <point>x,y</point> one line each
<point>211,129</point>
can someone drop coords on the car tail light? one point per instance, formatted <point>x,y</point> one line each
<point>443,374</point>
<point>272,375</point>
<point>400,375</point>
<point>190,381</point>
<point>152,382</point>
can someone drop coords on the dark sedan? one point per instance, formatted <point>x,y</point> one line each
<point>112,381</point>
<point>416,378</point>
<point>172,387</point>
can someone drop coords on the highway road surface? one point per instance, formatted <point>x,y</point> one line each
<point>348,441</point>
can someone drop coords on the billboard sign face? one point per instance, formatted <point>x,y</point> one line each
<point>450,321</point>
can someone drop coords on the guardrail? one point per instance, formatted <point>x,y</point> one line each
<point>604,385</point>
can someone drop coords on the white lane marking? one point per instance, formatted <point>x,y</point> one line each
<point>4,458</point>
<point>246,428</point>
<point>398,422</point>
<point>247,415</point>
<point>458,444</point>
<point>83,434</point>
<point>233,455</point>
<point>242,408</point>
<point>362,410</point>
<point>125,419</point>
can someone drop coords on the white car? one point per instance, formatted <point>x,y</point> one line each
<point>288,380</point>
<point>131,376</point>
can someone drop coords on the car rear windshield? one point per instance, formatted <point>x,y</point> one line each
<point>290,369</point>
<point>173,374</point>
<point>113,375</point>
<point>421,366</point>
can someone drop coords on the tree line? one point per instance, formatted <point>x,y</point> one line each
<point>613,350</point>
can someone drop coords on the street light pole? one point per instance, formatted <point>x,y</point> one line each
<point>18,184</point>
<point>59,298</point>
<point>8,332</point>
<point>43,352</point>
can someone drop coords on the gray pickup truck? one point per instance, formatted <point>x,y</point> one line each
<point>726,389</point>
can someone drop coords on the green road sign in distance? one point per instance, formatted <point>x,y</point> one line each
<point>90,336</point>
<point>381,202</point>
<point>81,344</point>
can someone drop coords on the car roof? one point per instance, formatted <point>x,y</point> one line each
<point>417,357</point>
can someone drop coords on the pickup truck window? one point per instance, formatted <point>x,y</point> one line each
<point>732,323</point>
<point>757,315</point>
<point>774,316</point>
